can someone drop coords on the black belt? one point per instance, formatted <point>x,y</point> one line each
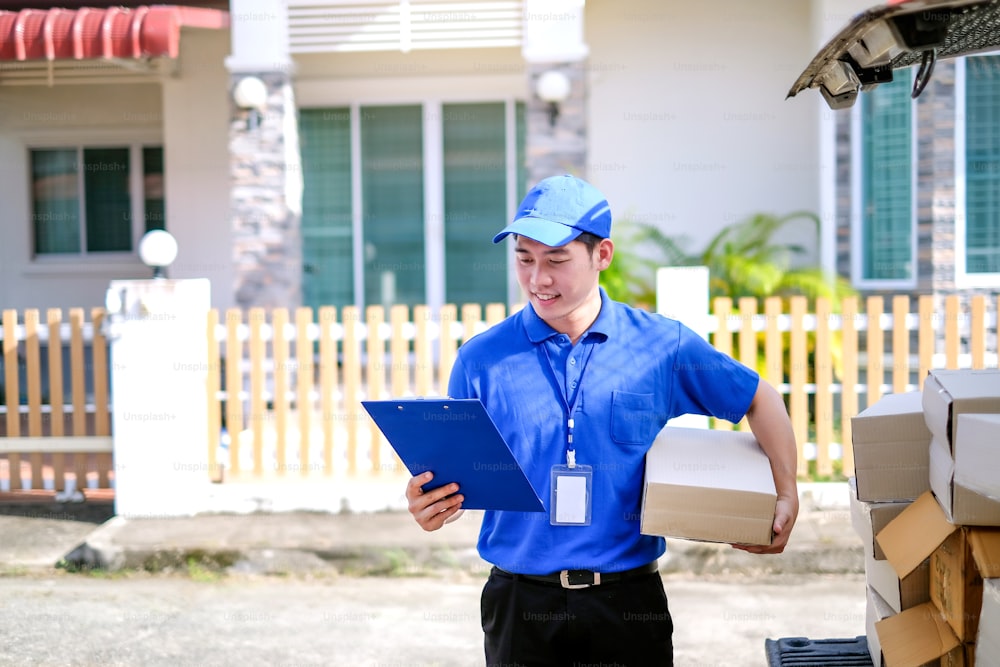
<point>583,578</point>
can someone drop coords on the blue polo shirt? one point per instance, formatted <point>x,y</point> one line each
<point>633,370</point>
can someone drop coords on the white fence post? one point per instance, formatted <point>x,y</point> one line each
<point>159,353</point>
<point>682,295</point>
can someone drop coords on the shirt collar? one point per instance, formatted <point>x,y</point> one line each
<point>538,331</point>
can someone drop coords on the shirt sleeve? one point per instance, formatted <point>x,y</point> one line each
<point>709,382</point>
<point>459,385</point>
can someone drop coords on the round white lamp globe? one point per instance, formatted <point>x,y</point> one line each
<point>250,93</point>
<point>552,86</point>
<point>158,249</point>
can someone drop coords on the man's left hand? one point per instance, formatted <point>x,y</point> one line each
<point>785,512</point>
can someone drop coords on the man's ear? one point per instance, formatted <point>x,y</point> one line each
<point>605,252</point>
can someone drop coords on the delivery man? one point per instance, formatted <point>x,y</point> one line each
<point>579,386</point>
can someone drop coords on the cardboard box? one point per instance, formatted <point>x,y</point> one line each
<point>897,592</point>
<point>941,475</point>
<point>901,593</point>
<point>950,393</point>
<point>916,636</point>
<point>868,519</point>
<point>977,457</point>
<point>960,656</point>
<point>890,440</point>
<point>963,505</point>
<point>960,558</point>
<point>988,639</point>
<point>956,583</point>
<point>708,485</point>
<point>876,609</point>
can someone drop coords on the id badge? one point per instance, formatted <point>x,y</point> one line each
<point>571,495</point>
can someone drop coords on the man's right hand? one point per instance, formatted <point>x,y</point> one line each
<point>432,509</point>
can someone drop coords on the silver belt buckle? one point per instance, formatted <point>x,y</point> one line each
<point>564,580</point>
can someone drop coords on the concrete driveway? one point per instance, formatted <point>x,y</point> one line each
<point>208,619</point>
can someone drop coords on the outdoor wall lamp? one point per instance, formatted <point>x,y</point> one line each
<point>158,250</point>
<point>250,93</point>
<point>552,87</point>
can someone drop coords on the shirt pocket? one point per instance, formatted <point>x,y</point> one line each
<point>631,417</point>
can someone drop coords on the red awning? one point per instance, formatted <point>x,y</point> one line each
<point>116,32</point>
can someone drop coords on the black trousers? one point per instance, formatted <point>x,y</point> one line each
<point>534,624</point>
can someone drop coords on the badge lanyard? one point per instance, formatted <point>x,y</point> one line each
<point>571,483</point>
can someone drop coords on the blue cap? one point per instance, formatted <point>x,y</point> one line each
<point>558,209</point>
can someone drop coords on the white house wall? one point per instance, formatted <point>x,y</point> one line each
<point>195,129</point>
<point>398,78</point>
<point>689,125</point>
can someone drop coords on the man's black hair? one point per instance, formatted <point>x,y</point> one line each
<point>588,239</point>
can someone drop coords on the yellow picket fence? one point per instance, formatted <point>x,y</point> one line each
<point>50,441</point>
<point>299,376</point>
<point>873,351</point>
<point>284,401</point>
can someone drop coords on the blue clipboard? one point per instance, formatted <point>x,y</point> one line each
<point>456,440</point>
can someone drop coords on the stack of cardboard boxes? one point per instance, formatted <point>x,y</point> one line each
<point>926,503</point>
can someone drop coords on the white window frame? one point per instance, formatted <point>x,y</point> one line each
<point>963,279</point>
<point>94,139</point>
<point>857,205</point>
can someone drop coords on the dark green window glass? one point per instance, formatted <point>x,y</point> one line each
<point>887,220</point>
<point>982,164</point>
<point>152,187</point>
<point>327,237</point>
<point>56,205</point>
<point>392,204</point>
<point>108,203</point>
<point>522,158</point>
<point>63,215</point>
<point>475,202</point>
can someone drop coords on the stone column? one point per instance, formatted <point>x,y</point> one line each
<point>264,161</point>
<point>559,148</point>
<point>266,197</point>
<point>553,40</point>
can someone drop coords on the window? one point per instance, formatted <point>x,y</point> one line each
<point>392,205</point>
<point>90,199</point>
<point>327,235</point>
<point>154,214</point>
<point>977,238</point>
<point>885,222</point>
<point>400,202</point>
<point>474,202</point>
